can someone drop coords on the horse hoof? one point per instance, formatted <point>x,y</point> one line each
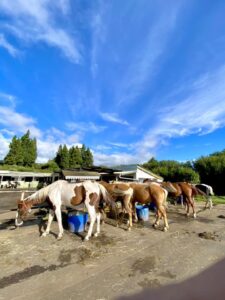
<point>86,239</point>
<point>44,234</point>
<point>59,237</point>
<point>195,216</point>
<point>129,229</point>
<point>165,229</point>
<point>96,234</point>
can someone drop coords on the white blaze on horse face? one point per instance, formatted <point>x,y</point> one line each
<point>16,220</point>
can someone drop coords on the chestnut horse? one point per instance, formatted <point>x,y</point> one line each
<point>69,194</point>
<point>132,193</point>
<point>188,191</point>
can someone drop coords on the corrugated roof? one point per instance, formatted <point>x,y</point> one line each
<point>70,173</point>
<point>149,172</point>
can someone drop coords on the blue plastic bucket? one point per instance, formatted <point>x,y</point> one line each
<point>142,212</point>
<point>77,221</point>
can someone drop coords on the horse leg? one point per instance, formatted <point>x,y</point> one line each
<point>59,219</point>
<point>134,212</point>
<point>128,208</point>
<point>158,216</point>
<point>92,214</point>
<point>98,218</point>
<point>191,202</point>
<point>162,211</point>
<point>50,219</point>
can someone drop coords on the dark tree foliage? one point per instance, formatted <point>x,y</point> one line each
<point>22,151</point>
<point>172,170</point>
<point>212,171</point>
<point>74,157</point>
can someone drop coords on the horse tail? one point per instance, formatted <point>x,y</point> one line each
<point>165,196</point>
<point>197,191</point>
<point>106,196</point>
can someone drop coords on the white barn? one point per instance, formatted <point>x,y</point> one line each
<point>140,174</point>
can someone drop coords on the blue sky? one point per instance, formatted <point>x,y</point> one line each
<point>130,79</point>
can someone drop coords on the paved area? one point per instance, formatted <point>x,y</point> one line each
<point>116,263</point>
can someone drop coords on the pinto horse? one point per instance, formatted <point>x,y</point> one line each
<point>63,193</point>
<point>132,193</point>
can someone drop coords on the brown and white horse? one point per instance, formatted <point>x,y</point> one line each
<point>63,193</point>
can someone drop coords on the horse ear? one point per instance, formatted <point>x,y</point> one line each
<point>22,196</point>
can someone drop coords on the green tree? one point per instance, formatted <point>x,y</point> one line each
<point>87,157</point>
<point>14,155</point>
<point>58,157</point>
<point>29,149</point>
<point>75,159</point>
<point>64,164</point>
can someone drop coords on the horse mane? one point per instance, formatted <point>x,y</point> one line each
<point>39,196</point>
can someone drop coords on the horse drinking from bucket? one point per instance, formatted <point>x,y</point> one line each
<point>69,194</point>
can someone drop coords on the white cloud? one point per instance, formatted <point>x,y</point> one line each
<point>17,122</point>
<point>35,21</point>
<point>10,48</point>
<point>113,117</point>
<point>85,126</point>
<point>202,112</point>
<point>114,159</point>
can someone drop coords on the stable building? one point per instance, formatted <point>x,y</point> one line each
<point>139,174</point>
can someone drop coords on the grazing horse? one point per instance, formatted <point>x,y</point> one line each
<point>208,190</point>
<point>188,192</point>
<point>63,193</point>
<point>132,193</point>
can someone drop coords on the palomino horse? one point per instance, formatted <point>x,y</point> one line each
<point>63,193</point>
<point>132,193</point>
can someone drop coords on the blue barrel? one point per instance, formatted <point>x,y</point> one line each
<point>77,221</point>
<point>142,212</point>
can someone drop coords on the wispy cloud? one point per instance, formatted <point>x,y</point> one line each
<point>114,118</point>
<point>36,21</point>
<point>201,112</point>
<point>85,126</point>
<point>10,48</point>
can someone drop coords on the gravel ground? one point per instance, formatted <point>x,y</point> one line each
<point>116,263</point>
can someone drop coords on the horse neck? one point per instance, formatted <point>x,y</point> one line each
<point>38,197</point>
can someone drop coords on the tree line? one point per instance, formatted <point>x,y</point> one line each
<point>23,152</point>
<point>207,169</point>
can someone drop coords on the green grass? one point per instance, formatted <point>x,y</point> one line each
<point>215,199</point>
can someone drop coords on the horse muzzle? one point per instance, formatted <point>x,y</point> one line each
<point>17,222</point>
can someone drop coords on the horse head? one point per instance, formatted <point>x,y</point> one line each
<point>22,210</point>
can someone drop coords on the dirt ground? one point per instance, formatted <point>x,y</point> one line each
<point>116,263</point>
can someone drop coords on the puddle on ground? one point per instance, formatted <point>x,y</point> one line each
<point>27,273</point>
<point>145,265</point>
<point>85,254</point>
<point>168,274</point>
<point>65,256</point>
<point>104,240</point>
<point>208,235</point>
<point>149,283</point>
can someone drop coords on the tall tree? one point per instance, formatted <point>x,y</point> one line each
<point>64,158</point>
<point>58,157</point>
<point>75,159</point>
<point>87,158</point>
<point>15,154</point>
<point>29,148</point>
